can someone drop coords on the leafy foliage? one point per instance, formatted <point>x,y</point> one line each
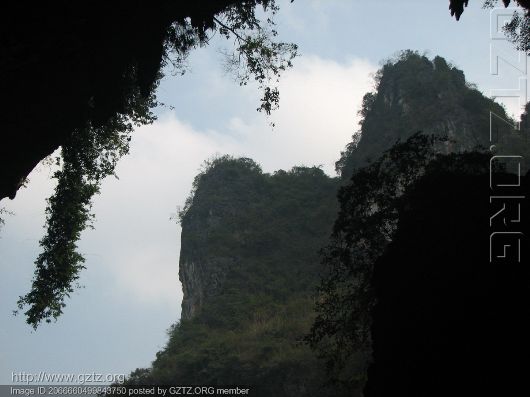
<point>517,30</point>
<point>257,54</point>
<point>90,156</point>
<point>438,296</point>
<point>365,225</point>
<point>3,211</point>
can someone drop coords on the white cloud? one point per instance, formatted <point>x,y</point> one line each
<point>134,236</point>
<point>317,117</point>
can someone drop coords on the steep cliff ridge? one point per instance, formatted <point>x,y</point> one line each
<point>414,93</point>
<point>222,196</point>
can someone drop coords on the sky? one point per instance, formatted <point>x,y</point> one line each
<point>131,293</point>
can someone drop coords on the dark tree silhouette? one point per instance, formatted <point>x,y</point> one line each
<point>382,226</point>
<point>408,276</point>
<point>364,226</point>
<point>447,321</point>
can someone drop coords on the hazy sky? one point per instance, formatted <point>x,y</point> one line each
<point>132,294</point>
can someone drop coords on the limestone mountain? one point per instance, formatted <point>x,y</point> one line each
<point>249,265</point>
<point>414,93</point>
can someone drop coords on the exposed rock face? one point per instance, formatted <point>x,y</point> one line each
<point>201,278</point>
<point>202,266</point>
<point>191,277</point>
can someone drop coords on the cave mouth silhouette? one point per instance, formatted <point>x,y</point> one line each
<point>66,65</point>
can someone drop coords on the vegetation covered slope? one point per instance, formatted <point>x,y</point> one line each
<point>249,265</point>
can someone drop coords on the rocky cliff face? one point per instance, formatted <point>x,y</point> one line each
<point>201,278</point>
<point>204,262</point>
